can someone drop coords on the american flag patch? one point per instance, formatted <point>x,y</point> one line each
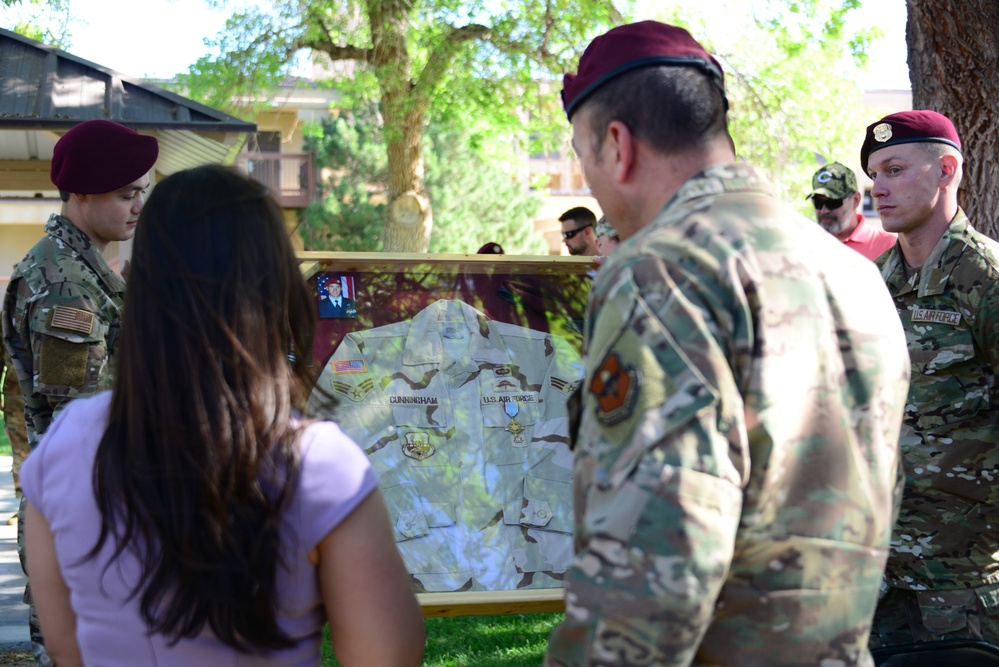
<point>341,366</point>
<point>72,319</point>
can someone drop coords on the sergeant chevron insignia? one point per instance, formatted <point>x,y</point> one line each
<point>564,386</point>
<point>355,392</point>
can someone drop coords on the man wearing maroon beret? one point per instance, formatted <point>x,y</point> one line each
<point>736,466</point>
<point>942,576</point>
<point>62,308</point>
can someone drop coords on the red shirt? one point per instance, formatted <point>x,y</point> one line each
<point>869,240</point>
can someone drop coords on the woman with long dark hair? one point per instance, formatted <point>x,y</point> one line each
<point>192,516</point>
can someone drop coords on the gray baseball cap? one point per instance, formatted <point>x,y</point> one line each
<point>604,228</point>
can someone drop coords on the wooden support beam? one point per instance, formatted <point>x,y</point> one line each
<point>31,175</point>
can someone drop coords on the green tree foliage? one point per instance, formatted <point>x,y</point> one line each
<point>476,198</point>
<point>46,21</point>
<point>350,152</point>
<point>791,70</point>
<point>468,177</point>
<point>463,58</point>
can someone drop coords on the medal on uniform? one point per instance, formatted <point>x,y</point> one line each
<point>512,408</point>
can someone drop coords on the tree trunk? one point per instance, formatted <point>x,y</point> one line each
<point>407,219</point>
<point>953,51</point>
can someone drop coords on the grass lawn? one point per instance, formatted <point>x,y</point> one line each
<point>515,640</point>
<point>4,442</point>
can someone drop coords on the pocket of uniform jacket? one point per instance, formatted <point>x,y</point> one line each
<point>952,385</point>
<point>411,515</point>
<point>536,485</point>
<point>547,491</point>
<point>544,540</point>
<point>70,360</point>
<point>944,612</point>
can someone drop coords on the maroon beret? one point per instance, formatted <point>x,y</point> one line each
<point>629,47</point>
<point>100,156</point>
<point>490,249</point>
<point>908,127</point>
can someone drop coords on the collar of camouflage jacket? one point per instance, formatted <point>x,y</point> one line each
<point>63,230</point>
<point>424,343</point>
<point>933,276</point>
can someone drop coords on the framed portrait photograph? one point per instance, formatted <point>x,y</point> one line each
<point>336,296</point>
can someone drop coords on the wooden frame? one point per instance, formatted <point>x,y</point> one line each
<point>531,309</point>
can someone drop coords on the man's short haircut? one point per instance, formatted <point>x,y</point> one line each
<point>936,151</point>
<point>580,214</point>
<point>671,108</point>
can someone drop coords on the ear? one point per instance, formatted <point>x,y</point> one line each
<point>856,198</point>
<point>622,145</point>
<point>948,169</point>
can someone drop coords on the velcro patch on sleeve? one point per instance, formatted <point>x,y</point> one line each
<point>347,366</point>
<point>63,363</point>
<point>71,319</point>
<point>936,316</point>
<point>615,387</point>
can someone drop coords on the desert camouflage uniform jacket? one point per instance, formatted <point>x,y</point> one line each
<point>61,316</point>
<point>464,420</point>
<point>737,468</point>
<point>947,534</point>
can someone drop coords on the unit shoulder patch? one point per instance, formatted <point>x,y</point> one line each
<point>615,388</point>
<point>418,446</point>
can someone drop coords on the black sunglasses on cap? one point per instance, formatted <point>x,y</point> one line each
<point>831,204</point>
<point>572,232</point>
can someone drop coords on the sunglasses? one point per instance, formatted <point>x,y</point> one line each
<point>831,204</point>
<point>569,234</point>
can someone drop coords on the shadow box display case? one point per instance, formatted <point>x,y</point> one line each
<point>454,373</point>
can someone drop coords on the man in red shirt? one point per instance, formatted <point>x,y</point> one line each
<point>836,199</point>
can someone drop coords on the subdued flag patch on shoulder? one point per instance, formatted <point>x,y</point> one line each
<point>343,366</point>
<point>72,319</point>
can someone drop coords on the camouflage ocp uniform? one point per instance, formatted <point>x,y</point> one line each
<point>737,467</point>
<point>61,317</point>
<point>943,570</point>
<point>13,420</point>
